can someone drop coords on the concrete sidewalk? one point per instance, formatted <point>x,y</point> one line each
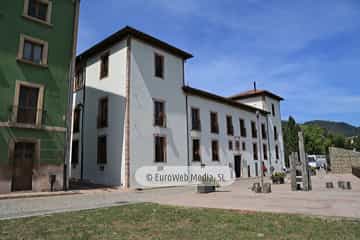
<point>320,201</point>
<point>18,195</point>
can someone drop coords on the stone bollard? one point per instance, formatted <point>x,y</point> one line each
<point>341,184</point>
<point>267,188</point>
<point>256,187</point>
<point>329,185</point>
<point>348,185</point>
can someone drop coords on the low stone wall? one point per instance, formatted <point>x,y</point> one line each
<point>342,160</point>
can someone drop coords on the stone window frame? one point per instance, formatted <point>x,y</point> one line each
<point>162,101</point>
<point>192,149</point>
<point>215,151</point>
<point>162,57</point>
<point>40,102</point>
<point>165,148</point>
<point>48,14</point>
<point>98,154</point>
<point>195,125</point>
<point>104,70</point>
<point>44,57</point>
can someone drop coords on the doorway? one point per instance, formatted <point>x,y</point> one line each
<point>24,155</point>
<point>237,165</point>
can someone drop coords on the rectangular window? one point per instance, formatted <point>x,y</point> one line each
<point>32,50</point>
<point>159,113</point>
<point>195,119</point>
<point>101,150</point>
<point>159,65</point>
<point>75,152</point>
<point>79,78</point>
<point>275,133</point>
<point>242,128</point>
<point>214,125</point>
<point>229,126</point>
<point>263,131</point>
<point>103,113</point>
<point>256,169</point>
<point>77,112</point>
<point>253,129</point>
<point>273,109</point>
<point>104,66</point>
<point>255,151</point>
<point>27,110</point>
<point>160,149</point>
<point>215,150</point>
<point>196,150</point>
<point>38,10</point>
<point>230,145</point>
<point>244,146</point>
<point>237,145</point>
<point>265,151</point>
<point>277,151</point>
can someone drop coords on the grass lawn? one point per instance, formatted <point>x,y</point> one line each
<point>152,221</point>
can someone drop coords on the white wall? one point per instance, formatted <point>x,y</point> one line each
<point>265,102</point>
<point>113,87</point>
<point>75,170</point>
<point>226,156</point>
<point>256,101</point>
<point>275,121</point>
<point>144,87</point>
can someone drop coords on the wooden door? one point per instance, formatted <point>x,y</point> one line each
<point>24,154</point>
<point>237,164</point>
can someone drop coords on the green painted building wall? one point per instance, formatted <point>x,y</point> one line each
<point>54,78</point>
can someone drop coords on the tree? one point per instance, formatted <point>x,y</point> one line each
<point>315,139</point>
<point>290,134</point>
<point>337,140</point>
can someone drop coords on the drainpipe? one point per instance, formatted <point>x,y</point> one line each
<point>187,120</point>
<point>187,123</point>
<point>69,114</point>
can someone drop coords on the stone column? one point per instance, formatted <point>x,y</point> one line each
<point>304,163</point>
<point>293,170</point>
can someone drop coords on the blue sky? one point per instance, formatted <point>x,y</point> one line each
<point>306,51</point>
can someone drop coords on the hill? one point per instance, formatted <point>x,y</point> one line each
<point>341,128</point>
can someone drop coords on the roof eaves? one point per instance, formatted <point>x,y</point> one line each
<point>220,99</point>
<point>124,32</point>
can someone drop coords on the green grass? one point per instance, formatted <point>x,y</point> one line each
<point>152,221</point>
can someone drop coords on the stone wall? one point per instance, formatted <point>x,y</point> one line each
<point>342,160</point>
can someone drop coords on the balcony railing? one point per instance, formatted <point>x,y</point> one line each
<point>27,115</point>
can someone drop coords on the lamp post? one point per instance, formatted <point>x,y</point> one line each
<point>261,159</point>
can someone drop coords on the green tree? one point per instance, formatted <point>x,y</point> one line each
<point>290,134</point>
<point>337,140</point>
<point>316,140</point>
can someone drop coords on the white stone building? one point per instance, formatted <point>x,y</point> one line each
<point>132,109</point>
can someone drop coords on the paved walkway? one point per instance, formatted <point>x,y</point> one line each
<point>320,201</point>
